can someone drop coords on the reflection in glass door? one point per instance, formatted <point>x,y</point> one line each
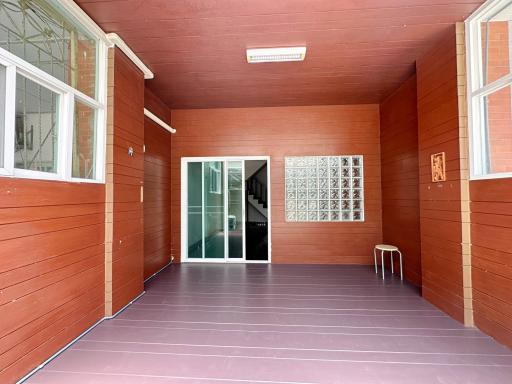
<point>235,196</point>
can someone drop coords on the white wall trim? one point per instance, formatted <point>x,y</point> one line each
<point>158,121</point>
<point>115,39</point>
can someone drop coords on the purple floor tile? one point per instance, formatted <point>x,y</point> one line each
<point>280,324</point>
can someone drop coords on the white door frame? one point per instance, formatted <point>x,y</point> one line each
<point>184,209</point>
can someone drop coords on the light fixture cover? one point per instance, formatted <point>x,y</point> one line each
<point>273,55</point>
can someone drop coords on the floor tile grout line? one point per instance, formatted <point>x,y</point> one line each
<point>298,349</point>
<point>301,332</point>
<point>291,308</point>
<point>183,377</point>
<point>295,358</point>
<point>293,325</point>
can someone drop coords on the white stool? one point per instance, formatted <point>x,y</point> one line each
<point>387,248</point>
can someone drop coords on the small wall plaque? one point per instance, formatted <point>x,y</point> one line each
<point>438,166</point>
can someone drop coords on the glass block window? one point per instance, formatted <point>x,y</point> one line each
<point>324,188</point>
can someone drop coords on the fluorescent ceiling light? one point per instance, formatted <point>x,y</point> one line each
<point>273,55</point>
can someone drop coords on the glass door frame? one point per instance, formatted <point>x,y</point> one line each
<point>184,209</point>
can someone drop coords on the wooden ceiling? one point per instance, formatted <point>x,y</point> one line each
<point>358,51</point>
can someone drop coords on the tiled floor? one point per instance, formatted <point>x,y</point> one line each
<point>280,324</point>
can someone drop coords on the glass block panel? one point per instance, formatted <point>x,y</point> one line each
<point>324,188</point>
<point>291,205</point>
<point>291,216</point>
<point>302,172</point>
<point>322,162</point>
<point>292,194</point>
<point>302,205</point>
<point>291,183</point>
<point>302,195</point>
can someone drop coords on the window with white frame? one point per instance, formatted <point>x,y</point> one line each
<point>52,93</point>
<point>215,180</point>
<point>489,59</point>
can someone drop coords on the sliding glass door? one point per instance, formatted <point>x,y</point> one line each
<point>215,206</point>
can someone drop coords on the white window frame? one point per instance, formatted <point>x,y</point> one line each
<point>67,96</point>
<point>476,91</point>
<point>215,175</point>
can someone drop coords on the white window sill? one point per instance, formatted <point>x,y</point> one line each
<point>491,176</point>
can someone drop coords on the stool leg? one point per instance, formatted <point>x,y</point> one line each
<point>382,260</point>
<point>392,264</point>
<point>401,271</point>
<point>375,259</point>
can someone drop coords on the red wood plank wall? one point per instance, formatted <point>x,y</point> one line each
<point>440,206</point>
<point>51,268</point>
<point>281,131</point>
<point>400,189</point>
<point>157,188</point>
<point>491,228</point>
<point>128,178</point>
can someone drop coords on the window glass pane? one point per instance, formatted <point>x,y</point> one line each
<point>2,114</point>
<point>195,211</point>
<point>235,209</point>
<point>36,126</point>
<point>84,142</point>
<point>496,45</point>
<point>39,33</point>
<point>498,113</point>
<point>214,210</point>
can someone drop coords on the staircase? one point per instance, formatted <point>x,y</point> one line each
<point>256,192</point>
